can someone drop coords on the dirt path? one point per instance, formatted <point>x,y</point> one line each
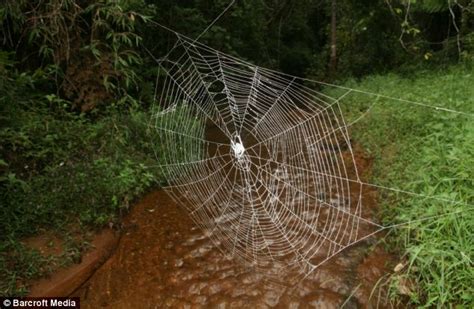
<point>164,260</point>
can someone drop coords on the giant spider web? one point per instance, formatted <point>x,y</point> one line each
<point>262,162</point>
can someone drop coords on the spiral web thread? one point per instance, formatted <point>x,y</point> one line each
<point>263,163</point>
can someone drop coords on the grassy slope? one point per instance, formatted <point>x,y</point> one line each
<point>66,174</point>
<point>430,152</point>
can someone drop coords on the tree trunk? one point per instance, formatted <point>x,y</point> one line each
<point>333,58</point>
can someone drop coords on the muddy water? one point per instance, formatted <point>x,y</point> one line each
<point>165,260</point>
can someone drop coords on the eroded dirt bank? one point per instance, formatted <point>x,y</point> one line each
<point>164,260</point>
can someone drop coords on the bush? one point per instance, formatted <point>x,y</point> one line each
<point>67,173</point>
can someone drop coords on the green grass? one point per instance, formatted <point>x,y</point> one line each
<point>429,152</point>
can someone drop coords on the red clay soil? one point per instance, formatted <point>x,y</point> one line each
<point>67,280</point>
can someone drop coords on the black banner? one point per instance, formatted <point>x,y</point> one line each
<point>39,302</point>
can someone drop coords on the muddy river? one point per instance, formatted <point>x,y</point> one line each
<point>164,260</point>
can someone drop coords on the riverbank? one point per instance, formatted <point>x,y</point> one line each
<point>94,168</point>
<point>65,176</point>
<point>430,152</point>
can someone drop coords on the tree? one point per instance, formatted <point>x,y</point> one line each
<point>88,46</point>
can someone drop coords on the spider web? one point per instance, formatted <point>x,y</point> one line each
<point>263,163</point>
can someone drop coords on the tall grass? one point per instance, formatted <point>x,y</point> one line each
<point>429,152</point>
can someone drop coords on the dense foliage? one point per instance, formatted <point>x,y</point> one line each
<point>76,86</point>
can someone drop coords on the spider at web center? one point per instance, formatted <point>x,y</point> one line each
<point>240,155</point>
<point>238,147</point>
